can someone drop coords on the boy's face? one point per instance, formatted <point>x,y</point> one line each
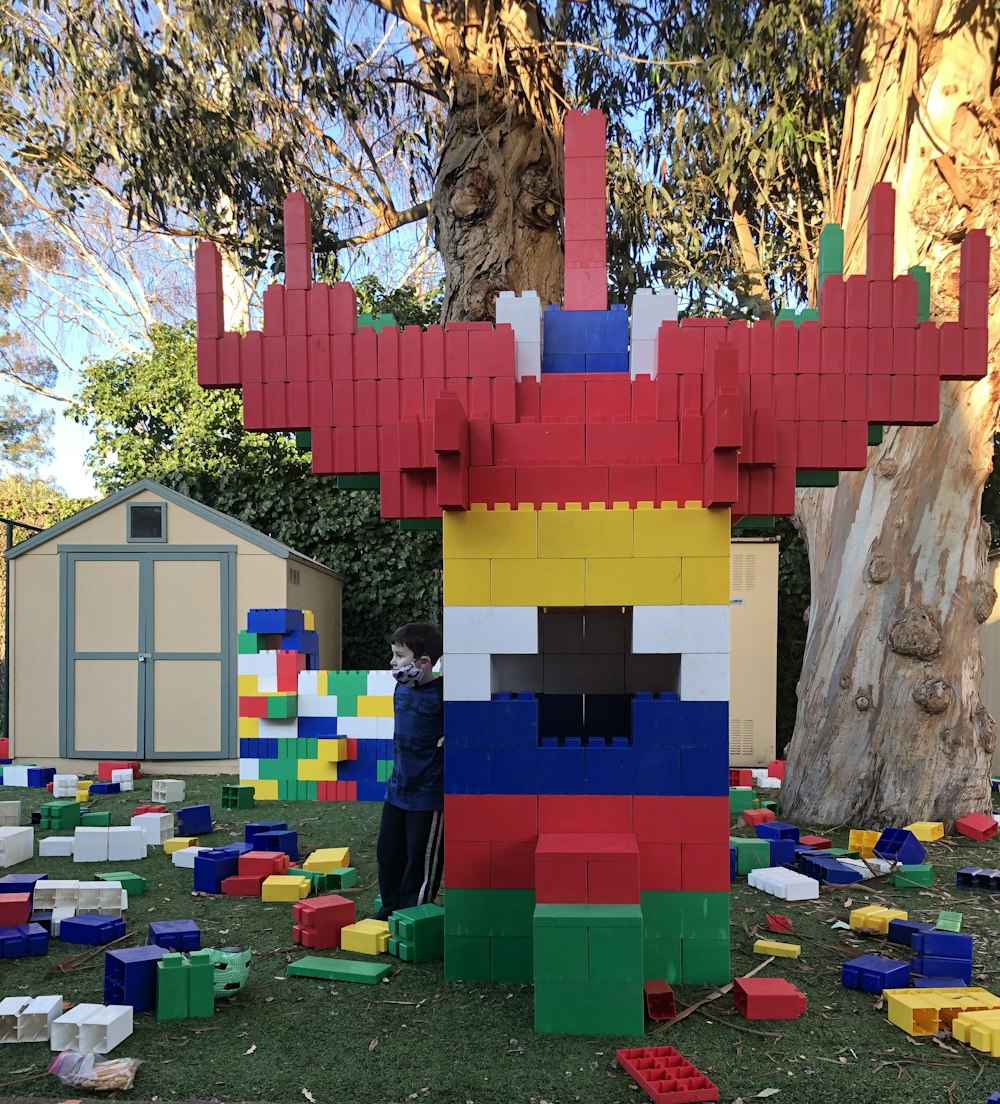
<point>402,657</point>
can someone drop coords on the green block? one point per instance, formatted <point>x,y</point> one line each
<point>342,878</point>
<point>357,482</point>
<point>421,931</point>
<point>336,969</point>
<point>589,1008</point>
<point>917,874</point>
<point>237,797</point>
<point>839,853</point>
<point>769,803</point>
<point>303,440</point>
<point>201,984</point>
<point>949,921</point>
<point>705,915</point>
<point>172,987</point>
<point>377,322</point>
<point>705,961</point>
<point>383,770</point>
<point>875,434</point>
<point>394,945</point>
<point>418,525</point>
<point>307,748</point>
<point>489,912</point>
<point>923,278</point>
<point>586,916</point>
<point>805,477</point>
<point>751,854</point>
<point>247,643</point>
<point>347,686</point>
<point>95,820</point>
<point>831,253</point>
<point>616,955</point>
<point>133,885</point>
<point>318,882</point>
<point>282,707</point>
<point>662,959</point>
<point>740,799</point>
<point>467,957</point>
<point>511,959</point>
<point>278,769</point>
<point>561,954</point>
<point>305,790</point>
<point>753,522</point>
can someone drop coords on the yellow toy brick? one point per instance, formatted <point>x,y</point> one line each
<point>630,582</point>
<point>875,918</point>
<point>927,831</point>
<point>926,1011</point>
<point>375,705</point>
<point>980,1030</point>
<point>591,531</point>
<point>326,859</point>
<point>705,580</point>
<point>369,937</point>
<point>247,684</point>
<point>178,843</point>
<point>284,887</point>
<point>773,947</point>
<point>691,531</point>
<point>264,789</point>
<point>317,770</point>
<point>536,583</point>
<point>308,620</point>
<point>863,842</point>
<point>83,792</point>
<point>500,534</point>
<point>248,728</point>
<point>466,582</point>
<point>331,751</point>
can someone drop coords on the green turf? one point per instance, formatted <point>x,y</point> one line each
<point>418,1037</point>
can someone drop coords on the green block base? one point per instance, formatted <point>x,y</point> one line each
<point>919,874</point>
<point>334,969</point>
<point>589,1008</point>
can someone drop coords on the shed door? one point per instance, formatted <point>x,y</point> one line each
<point>148,655</point>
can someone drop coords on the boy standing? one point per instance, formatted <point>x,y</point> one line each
<point>410,838</point>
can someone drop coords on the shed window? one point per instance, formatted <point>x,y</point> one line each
<point>147,521</point>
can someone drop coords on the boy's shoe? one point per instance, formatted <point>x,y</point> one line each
<point>383,913</point>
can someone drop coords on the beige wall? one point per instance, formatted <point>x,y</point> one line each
<point>321,592</point>
<point>33,651</point>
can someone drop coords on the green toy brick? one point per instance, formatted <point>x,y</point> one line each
<point>247,643</point>
<point>342,878</point>
<point>616,955</point>
<point>467,957</point>
<point>704,915</point>
<point>918,874</point>
<point>740,799</point>
<point>705,962</point>
<point>831,252</point>
<point>377,322</point>
<point>923,278</point>
<point>133,885</point>
<point>511,959</point>
<point>383,770</point>
<point>662,958</point>
<point>561,954</point>
<point>347,687</point>
<point>586,916</point>
<point>838,853</point>
<point>769,803</point>
<point>303,440</point>
<point>357,482</point>
<point>335,969</point>
<point>875,434</point>
<point>237,797</point>
<point>96,820</point>
<point>949,921</point>
<point>808,477</point>
<point>751,854</point>
<point>489,912</point>
<point>172,987</point>
<point>421,932</point>
<point>282,707</point>
<point>201,984</point>
<point>60,815</point>
<point>589,1008</point>
<point>318,882</point>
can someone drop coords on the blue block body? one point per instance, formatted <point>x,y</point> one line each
<point>90,929</point>
<point>40,777</point>
<point>105,788</point>
<point>776,830</point>
<point>873,973</point>
<point>130,977</point>
<point>174,935</point>
<point>900,845</point>
<point>23,940</point>
<point>585,332</point>
<point>816,865</point>
<point>506,721</point>
<point>20,883</point>
<point>272,621</point>
<point>937,966</point>
<point>949,944</point>
<point>251,830</point>
<point>732,864</point>
<point>276,841</point>
<point>195,820</point>
<point>782,852</point>
<point>211,868</point>
<point>901,931</point>
<point>302,640</point>
<point>319,728</point>
<point>937,982</point>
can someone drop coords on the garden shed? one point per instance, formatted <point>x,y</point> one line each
<point>122,625</point>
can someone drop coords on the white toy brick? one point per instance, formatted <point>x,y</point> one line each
<point>51,892</point>
<point>156,827</point>
<point>10,1010</point>
<point>105,1029</point>
<point>868,868</point>
<point>249,770</point>
<point>64,785</point>
<point>168,789</point>
<point>649,311</point>
<point>17,845</point>
<point>88,896</point>
<point>55,847</point>
<point>704,676</point>
<point>769,782</point>
<point>357,728</point>
<point>10,814</point>
<point>381,682</point>
<point>642,358</point>
<point>185,856</point>
<point>126,843</point>
<point>524,314</point>
<point>510,630</point>
<point>66,1028</point>
<point>15,775</point>
<point>90,845</point>
<point>283,729</point>
<point>58,916</point>
<point>34,1025</point>
<point>678,629</point>
<point>468,677</point>
<point>124,778</point>
<point>308,683</point>
<point>317,705</point>
<point>263,663</point>
<point>789,885</point>
<point>385,728</point>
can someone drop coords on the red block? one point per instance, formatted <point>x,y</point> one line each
<point>243,885</point>
<point>366,354</point>
<point>833,301</point>
<point>856,314</point>
<point>15,908</point>
<point>140,809</point>
<point>343,308</point>
<point>318,309</point>
<point>704,868</point>
<point>753,817</point>
<point>504,399</point>
<point>776,768</point>
<point>632,484</point>
<point>563,399</point>
<point>318,923</point>
<point>977,826</point>
<point>491,485</point>
<point>484,818</point>
<point>904,301</point>
<point>468,863</point>
<point>512,864</point>
<point>578,813</point>
<point>660,867</point>
<point>660,1002</point>
<point>561,882</point>
<point>665,1075</point>
<point>208,362</point>
<point>4,747</point>
<point>768,999</point>
<point>456,353</point>
<point>817,843</point>
<point>253,705</point>
<point>659,819</point>
<point>106,766</point>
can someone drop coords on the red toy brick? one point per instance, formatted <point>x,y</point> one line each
<point>15,909</point>
<point>297,359</point>
<point>468,863</point>
<point>511,864</point>
<point>320,358</point>
<point>343,308</point>
<point>660,867</point>
<point>974,263</point>
<point>662,819</point>
<point>488,817</point>
<point>776,768</point>
<point>208,362</point>
<point>660,1002</point>
<point>318,309</point>
<point>366,354</point>
<point>856,314</point>
<point>977,826</point>
<point>881,258</point>
<point>768,999</point>
<point>632,484</point>
<point>243,885</point>
<point>563,399</point>
<point>666,1076</point>
<point>704,868</point>
<point>904,301</point>
<point>342,349</point>
<point>210,321</point>
<point>753,817</point>
<point>388,352</point>
<point>456,353</point>
<point>613,882</point>
<point>560,882</point>
<point>833,301</point>
<point>817,843</point>
<point>140,809</point>
<point>318,923</point>
<point>492,485</point>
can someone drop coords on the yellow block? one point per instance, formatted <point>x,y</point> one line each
<point>328,858</point>
<point>285,887</point>
<point>630,582</point>
<point>773,947</point>
<point>83,791</point>
<point>264,789</point>
<point>247,684</point>
<point>927,830</point>
<point>317,770</point>
<point>466,582</point>
<point>594,531</point>
<point>980,1030</point>
<point>875,918</point>
<point>332,751</point>
<point>692,531</point>
<point>926,1011</point>
<point>366,937</point>
<point>497,534</point>
<point>375,705</point>
<point>179,842</point>
<point>535,583</point>
<point>308,620</point>
<point>249,727</point>
<point>863,842</point>
<point>705,580</point>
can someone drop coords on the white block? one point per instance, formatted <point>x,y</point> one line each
<point>66,1028</point>
<point>286,729</point>
<point>186,856</point>
<point>15,775</point>
<point>34,1025</point>
<point>308,683</point>
<point>317,705</point>
<point>758,774</point>
<point>168,789</point>
<point>511,630</point>
<point>385,728</point>
<point>17,845</point>
<point>124,778</point>
<point>524,314</point>
<point>357,728</point>
<point>105,1029</point>
<point>642,358</point>
<point>126,843</point>
<point>10,1011</point>
<point>679,629</point>
<point>249,770</point>
<point>59,915</point>
<point>789,885</point>
<point>10,814</point>
<point>50,892</point>
<point>467,677</point>
<point>55,846</point>
<point>381,682</point>
<point>90,845</point>
<point>88,896</point>
<point>704,676</point>
<point>875,866</point>
<point>649,309</point>
<point>64,785</point>
<point>263,663</point>
<point>156,827</point>
<point>769,782</point>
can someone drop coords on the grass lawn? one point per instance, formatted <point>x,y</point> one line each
<point>416,1037</point>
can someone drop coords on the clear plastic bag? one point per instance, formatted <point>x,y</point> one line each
<point>91,1071</point>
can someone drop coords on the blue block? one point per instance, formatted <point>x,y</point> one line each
<point>900,845</point>
<point>506,721</point>
<point>245,746</point>
<point>236,849</point>
<point>105,788</point>
<point>274,620</point>
<point>40,777</point>
<point>965,877</point>
<point>585,331</point>
<point>733,863</point>
<point>20,883</point>
<point>949,944</point>
<point>571,364</point>
<point>617,770</point>
<point>23,940</point>
<point>901,931</point>
<point>354,770</point>
<point>212,867</point>
<point>937,982</point>
<point>782,852</point>
<point>301,640</point>
<point>276,841</point>
<point>175,935</point>
<point>250,830</point>
<point>319,728</point>
<point>937,966</point>
<point>194,820</point>
<point>873,973</point>
<point>816,865</point>
<point>607,362</point>
<point>368,790</point>
<point>994,1098</point>
<point>537,770</point>
<point>663,721</point>
<point>776,830</point>
<point>467,770</point>
<point>90,929</point>
<point>705,770</point>
<point>130,977</point>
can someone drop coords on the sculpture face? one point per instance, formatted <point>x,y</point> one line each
<point>587,477</point>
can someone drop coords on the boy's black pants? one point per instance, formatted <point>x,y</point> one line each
<point>410,855</point>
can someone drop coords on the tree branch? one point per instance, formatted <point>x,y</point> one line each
<point>390,221</point>
<point>428,20</point>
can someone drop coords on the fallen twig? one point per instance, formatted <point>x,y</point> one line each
<point>706,1000</point>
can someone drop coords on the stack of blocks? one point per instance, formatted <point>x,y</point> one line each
<point>587,794</point>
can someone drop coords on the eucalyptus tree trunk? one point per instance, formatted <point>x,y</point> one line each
<point>890,727</point>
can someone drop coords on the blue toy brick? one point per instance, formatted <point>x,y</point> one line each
<point>705,770</point>
<point>815,865</point>
<point>537,770</point>
<point>938,966</point>
<point>505,721</point>
<point>236,849</point>
<point>900,845</point>
<point>40,777</point>
<point>994,1098</point>
<point>105,788</point>
<point>732,864</point>
<point>20,883</point>
<point>90,929</point>
<point>194,820</point>
<point>901,931</point>
<point>130,977</point>
<point>570,364</point>
<point>212,867</point>
<point>937,982</point>
<point>468,771</point>
<point>319,728</point>
<point>618,770</point>
<point>965,877</point>
<point>782,852</point>
<point>301,640</point>
<point>949,944</point>
<point>273,621</point>
<point>280,840</point>
<point>174,935</point>
<point>367,790</point>
<point>663,721</point>
<point>251,830</point>
<point>873,973</point>
<point>607,362</point>
<point>776,830</point>
<point>23,940</point>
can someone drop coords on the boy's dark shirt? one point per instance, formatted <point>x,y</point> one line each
<point>417,781</point>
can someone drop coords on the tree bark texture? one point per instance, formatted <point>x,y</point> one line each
<point>890,727</point>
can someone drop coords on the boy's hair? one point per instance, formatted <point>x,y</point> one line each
<point>421,638</point>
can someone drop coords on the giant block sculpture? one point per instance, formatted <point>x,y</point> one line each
<point>587,475</point>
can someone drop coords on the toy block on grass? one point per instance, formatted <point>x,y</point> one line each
<point>922,1012</point>
<point>976,826</point>
<point>187,855</point>
<point>927,831</point>
<point>195,820</point>
<point>899,845</point>
<point>185,986</point>
<point>665,1075</point>
<point>157,828</point>
<point>328,859</point>
<point>875,918</point>
<point>342,878</point>
<point>873,973</point>
<point>10,814</point>
<point>15,908</point>
<point>417,933</point>
<point>211,867</point>
<point>133,884</point>
<point>776,830</point>
<point>237,797</point>
<point>949,921</point>
<point>369,937</point>
<point>740,799</point>
<point>32,1023</point>
<point>368,973</point>
<point>130,977</point>
<point>178,843</point>
<point>980,1030</point>
<point>96,820</point>
<point>65,1029</point>
<point>920,874</point>
<point>753,817</point>
<point>104,788</point>
<point>774,947</point>
<point>768,999</point>
<point>174,935</point>
<point>284,887</point>
<point>124,779</point>
<point>59,816</point>
<point>751,854</point>
<point>91,930</point>
<point>660,1001</point>
<point>317,924</point>
<point>816,843</point>
<point>23,940</point>
<point>789,885</point>
<point>901,931</point>
<point>106,767</point>
<point>243,885</point>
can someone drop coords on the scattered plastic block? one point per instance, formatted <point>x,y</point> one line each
<point>175,935</point>
<point>166,790</point>
<point>873,973</point>
<point>130,977</point>
<point>35,1020</point>
<point>976,826</point>
<point>921,874</point>
<point>753,817</point>
<point>660,1002</point>
<point>284,887</point>
<point>195,820</point>
<point>779,950</point>
<point>899,845</point>
<point>91,930</point>
<point>366,937</point>
<point>133,885</point>
<point>665,1075</point>
<point>949,921</point>
<point>901,931</point>
<point>17,845</point>
<point>55,847</point>
<point>237,797</point>
<point>926,1011</point>
<point>927,830</point>
<point>789,885</point>
<point>768,999</point>
<point>368,973</point>
<point>186,856</point>
<point>875,918</point>
<point>185,986</point>
<point>417,934</point>
<point>24,940</point>
<point>328,859</point>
